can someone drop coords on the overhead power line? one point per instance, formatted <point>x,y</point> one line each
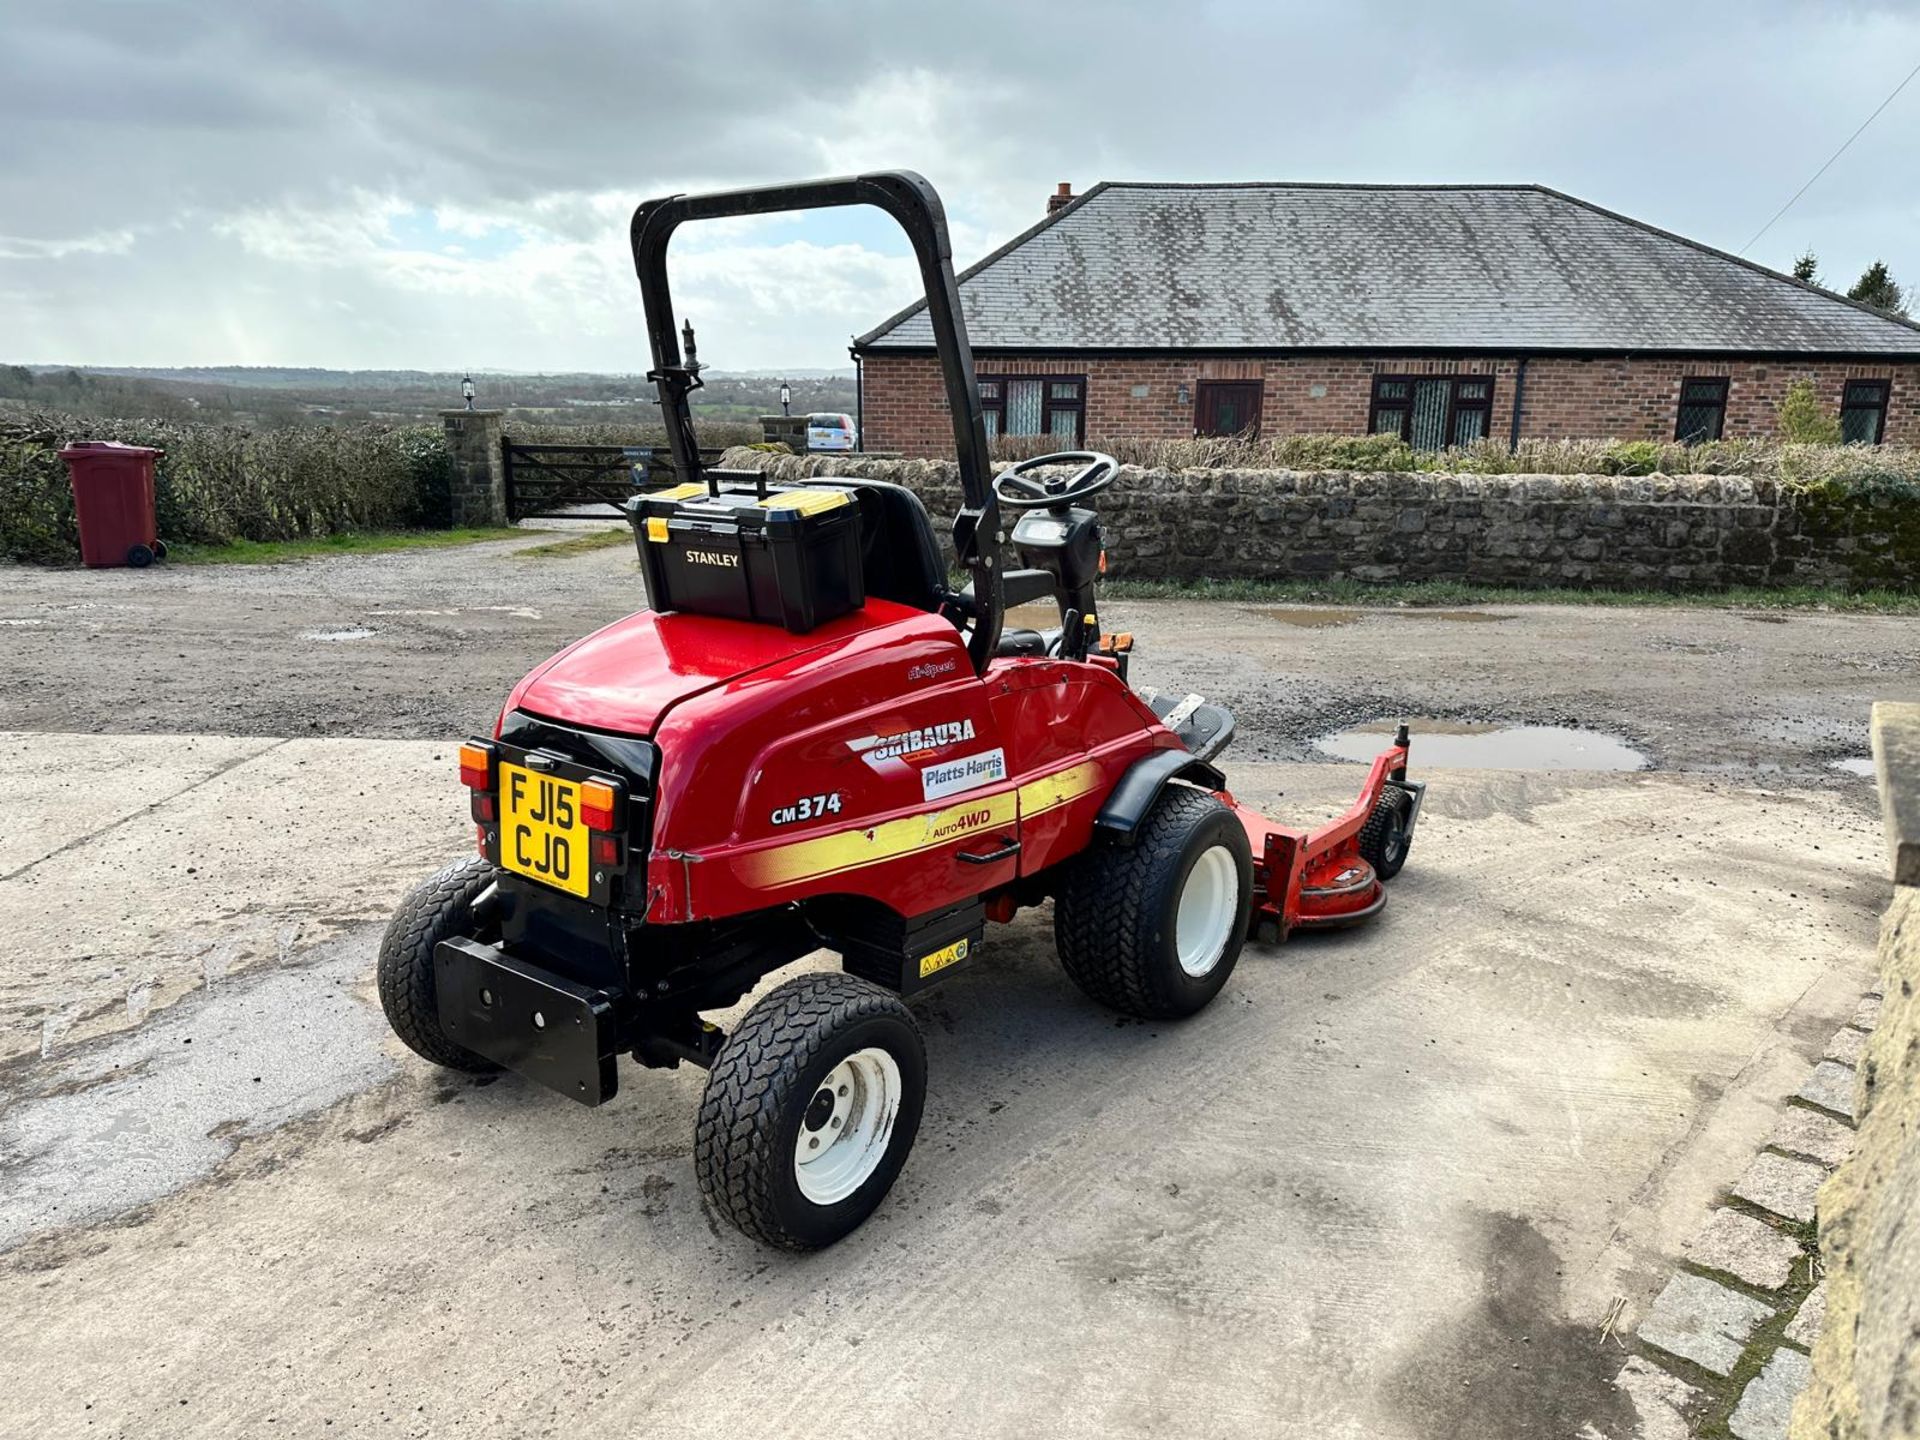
<point>1830,159</point>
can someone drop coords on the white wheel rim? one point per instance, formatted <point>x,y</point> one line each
<point>1208,903</point>
<point>848,1121</point>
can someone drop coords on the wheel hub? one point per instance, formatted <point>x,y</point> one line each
<point>846,1126</point>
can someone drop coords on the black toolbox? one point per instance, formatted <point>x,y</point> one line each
<point>787,556</point>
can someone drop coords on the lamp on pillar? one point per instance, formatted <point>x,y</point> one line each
<point>786,395</point>
<point>466,390</point>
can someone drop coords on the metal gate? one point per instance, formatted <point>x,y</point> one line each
<point>571,481</point>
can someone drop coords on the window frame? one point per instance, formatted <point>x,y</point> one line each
<point>1877,408</point>
<point>1682,405</point>
<point>997,406</point>
<point>1454,379</point>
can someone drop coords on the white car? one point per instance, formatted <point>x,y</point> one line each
<point>831,432</point>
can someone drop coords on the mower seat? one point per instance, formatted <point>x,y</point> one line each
<point>1022,641</point>
<point>898,552</point>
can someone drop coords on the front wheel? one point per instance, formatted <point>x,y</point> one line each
<point>1155,929</point>
<point>810,1110</point>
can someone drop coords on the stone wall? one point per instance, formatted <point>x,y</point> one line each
<point>1626,398</point>
<point>1866,1365</point>
<point>1660,532</point>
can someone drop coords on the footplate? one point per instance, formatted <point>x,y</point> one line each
<point>530,1020</point>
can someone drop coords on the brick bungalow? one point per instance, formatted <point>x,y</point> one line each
<point>1444,313</point>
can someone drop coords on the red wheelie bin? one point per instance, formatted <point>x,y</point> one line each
<point>113,501</point>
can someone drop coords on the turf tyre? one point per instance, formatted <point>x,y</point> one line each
<point>1116,914</point>
<point>757,1100</point>
<point>439,908</point>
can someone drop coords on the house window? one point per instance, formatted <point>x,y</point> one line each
<point>1053,405</point>
<point>1863,411</point>
<point>1431,412</point>
<point>1703,410</point>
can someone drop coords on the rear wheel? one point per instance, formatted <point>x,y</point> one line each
<point>439,908</point>
<point>1154,930</point>
<point>810,1110</point>
<point>1385,839</point>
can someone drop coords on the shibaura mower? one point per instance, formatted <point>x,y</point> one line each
<point>811,739</point>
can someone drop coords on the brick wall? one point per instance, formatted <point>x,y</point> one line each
<point>1624,399</point>
<point>1683,532</point>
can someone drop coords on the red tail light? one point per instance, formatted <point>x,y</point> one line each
<point>598,801</point>
<point>476,766</point>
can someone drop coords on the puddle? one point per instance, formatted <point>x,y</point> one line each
<point>1321,618</point>
<point>1485,745</point>
<point>1861,765</point>
<point>357,632</point>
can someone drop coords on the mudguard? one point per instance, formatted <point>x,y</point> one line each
<point>1129,801</point>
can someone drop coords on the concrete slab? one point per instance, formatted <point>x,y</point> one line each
<point>1766,1406</point>
<point>1816,1136</point>
<point>1703,1321</point>
<point>1806,1325</point>
<point>1830,1086</point>
<point>1745,1248</point>
<point>1386,1187</point>
<point>237,852</point>
<point>1786,1187</point>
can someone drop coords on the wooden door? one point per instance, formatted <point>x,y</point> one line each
<point>1227,407</point>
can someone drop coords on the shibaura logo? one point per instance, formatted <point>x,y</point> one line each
<point>889,753</point>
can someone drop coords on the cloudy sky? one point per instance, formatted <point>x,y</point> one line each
<point>412,184</point>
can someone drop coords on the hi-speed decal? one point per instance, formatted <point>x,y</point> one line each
<point>889,753</point>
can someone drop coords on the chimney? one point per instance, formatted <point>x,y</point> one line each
<point>1061,197</point>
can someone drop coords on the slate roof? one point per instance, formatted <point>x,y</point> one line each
<point>1132,266</point>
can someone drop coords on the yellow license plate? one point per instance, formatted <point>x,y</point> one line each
<point>541,834</point>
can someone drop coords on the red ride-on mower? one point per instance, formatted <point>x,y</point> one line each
<point>811,739</point>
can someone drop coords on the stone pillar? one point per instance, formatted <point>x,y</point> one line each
<point>479,469</point>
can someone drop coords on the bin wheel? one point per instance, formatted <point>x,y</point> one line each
<point>810,1110</point>
<point>159,549</point>
<point>139,557</point>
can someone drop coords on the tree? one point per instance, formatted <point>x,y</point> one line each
<point>1807,268</point>
<point>1804,420</point>
<point>1878,290</point>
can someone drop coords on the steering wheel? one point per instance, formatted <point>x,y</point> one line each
<point>1013,489</point>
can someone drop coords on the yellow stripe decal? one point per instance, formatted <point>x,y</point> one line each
<point>678,492</point>
<point>1051,791</point>
<point>852,849</point>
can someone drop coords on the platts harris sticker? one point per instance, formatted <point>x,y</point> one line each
<point>969,772</point>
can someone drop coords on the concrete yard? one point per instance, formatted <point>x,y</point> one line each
<point>1391,1184</point>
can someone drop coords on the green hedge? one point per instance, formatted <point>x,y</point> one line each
<point>218,483</point>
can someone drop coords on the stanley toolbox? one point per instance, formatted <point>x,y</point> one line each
<point>785,557</point>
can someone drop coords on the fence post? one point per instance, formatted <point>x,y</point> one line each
<point>479,471</point>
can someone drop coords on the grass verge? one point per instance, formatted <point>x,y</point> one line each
<point>1450,592</point>
<point>273,552</point>
<point>577,545</point>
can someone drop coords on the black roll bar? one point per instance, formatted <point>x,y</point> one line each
<point>911,201</point>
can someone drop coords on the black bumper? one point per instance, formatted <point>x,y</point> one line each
<point>535,1023</point>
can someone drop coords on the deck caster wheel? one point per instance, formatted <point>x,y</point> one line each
<point>439,908</point>
<point>810,1110</point>
<point>1385,839</point>
<point>1155,929</point>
